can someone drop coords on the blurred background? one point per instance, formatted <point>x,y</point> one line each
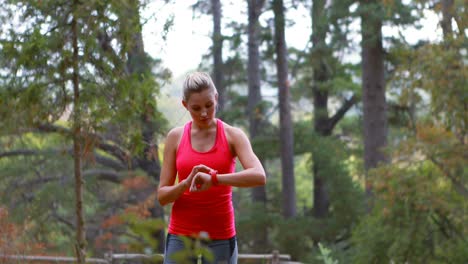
<point>357,110</point>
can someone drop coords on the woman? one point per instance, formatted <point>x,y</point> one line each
<point>202,154</point>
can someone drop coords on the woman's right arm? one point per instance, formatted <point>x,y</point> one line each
<point>167,191</point>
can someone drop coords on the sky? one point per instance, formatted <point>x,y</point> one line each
<point>187,40</point>
<point>189,37</point>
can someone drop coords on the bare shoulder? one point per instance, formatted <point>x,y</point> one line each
<point>239,142</point>
<point>235,136</point>
<point>176,131</point>
<point>173,137</point>
<point>233,133</point>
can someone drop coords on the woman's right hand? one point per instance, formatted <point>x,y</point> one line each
<point>198,168</point>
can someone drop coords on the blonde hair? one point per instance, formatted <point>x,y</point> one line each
<point>197,82</point>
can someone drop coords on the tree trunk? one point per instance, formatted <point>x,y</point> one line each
<point>137,64</point>
<point>447,15</point>
<point>218,54</point>
<point>321,75</point>
<point>321,56</point>
<point>254,111</point>
<point>373,85</point>
<point>80,247</point>
<point>286,129</point>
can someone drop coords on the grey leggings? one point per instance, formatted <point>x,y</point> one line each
<point>180,249</point>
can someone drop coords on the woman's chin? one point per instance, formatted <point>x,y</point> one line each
<point>206,121</point>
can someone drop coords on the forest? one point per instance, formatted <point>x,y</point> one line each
<point>366,158</point>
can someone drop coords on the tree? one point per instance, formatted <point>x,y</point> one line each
<point>117,89</point>
<point>80,247</point>
<point>286,129</point>
<point>218,66</point>
<point>447,16</point>
<point>10,240</point>
<point>325,70</point>
<point>254,109</point>
<point>216,62</point>
<point>373,85</point>
<point>418,197</point>
<point>139,65</point>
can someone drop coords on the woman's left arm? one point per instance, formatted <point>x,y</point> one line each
<point>253,173</point>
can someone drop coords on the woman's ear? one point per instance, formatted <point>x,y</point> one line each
<point>184,104</point>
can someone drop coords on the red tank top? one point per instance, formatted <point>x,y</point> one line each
<point>210,211</point>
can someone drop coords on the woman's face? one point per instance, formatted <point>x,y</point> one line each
<point>202,106</point>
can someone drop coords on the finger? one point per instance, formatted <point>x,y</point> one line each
<point>193,185</point>
<point>193,173</point>
<point>205,182</point>
<point>194,170</point>
<point>188,181</point>
<point>203,168</point>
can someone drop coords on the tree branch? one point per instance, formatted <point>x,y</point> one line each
<point>53,129</point>
<point>114,151</point>
<point>332,121</point>
<point>297,63</point>
<point>105,161</point>
<point>111,149</point>
<point>24,152</point>
<point>69,224</point>
<point>107,175</point>
<point>109,162</point>
<point>459,187</point>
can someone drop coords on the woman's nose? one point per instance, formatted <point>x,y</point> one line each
<point>204,113</point>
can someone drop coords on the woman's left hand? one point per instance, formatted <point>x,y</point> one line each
<point>201,182</point>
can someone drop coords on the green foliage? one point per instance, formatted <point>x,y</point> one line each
<point>397,12</point>
<point>142,232</point>
<point>304,182</point>
<point>37,57</point>
<point>282,235</point>
<point>416,218</point>
<point>420,199</point>
<point>436,72</point>
<point>297,236</point>
<point>251,219</point>
<point>420,205</point>
<point>235,110</point>
<point>419,213</point>
<point>444,66</point>
<point>325,255</point>
<point>345,194</point>
<point>39,188</point>
<point>118,86</point>
<point>195,250</point>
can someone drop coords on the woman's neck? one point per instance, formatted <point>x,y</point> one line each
<point>203,127</point>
